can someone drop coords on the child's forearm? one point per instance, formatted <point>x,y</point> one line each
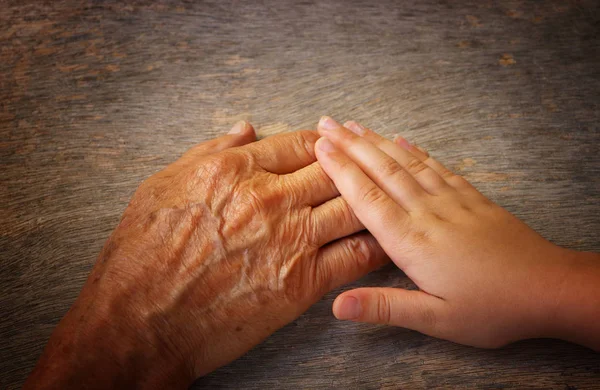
<point>576,314</point>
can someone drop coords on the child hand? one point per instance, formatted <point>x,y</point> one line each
<point>485,278</point>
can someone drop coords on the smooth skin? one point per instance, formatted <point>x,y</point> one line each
<point>485,278</point>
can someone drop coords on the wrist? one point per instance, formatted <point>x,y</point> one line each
<point>573,302</point>
<point>107,352</point>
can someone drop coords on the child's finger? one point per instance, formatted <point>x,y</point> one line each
<point>450,177</point>
<point>427,177</point>
<point>412,309</point>
<point>380,214</point>
<point>425,157</point>
<point>416,151</point>
<point>386,172</point>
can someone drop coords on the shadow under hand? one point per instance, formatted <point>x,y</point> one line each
<point>318,351</point>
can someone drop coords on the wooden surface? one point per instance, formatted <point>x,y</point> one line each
<point>97,95</point>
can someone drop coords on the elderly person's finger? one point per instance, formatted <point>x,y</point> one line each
<point>241,133</point>
<point>310,185</point>
<point>348,259</point>
<point>333,220</point>
<point>284,153</point>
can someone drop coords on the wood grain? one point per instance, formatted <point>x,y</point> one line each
<point>96,96</point>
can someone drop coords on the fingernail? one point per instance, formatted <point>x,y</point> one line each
<point>238,127</point>
<point>327,123</point>
<point>355,127</point>
<point>326,145</point>
<point>402,142</point>
<point>348,309</point>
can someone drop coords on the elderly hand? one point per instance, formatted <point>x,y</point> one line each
<point>214,253</point>
<point>485,278</point>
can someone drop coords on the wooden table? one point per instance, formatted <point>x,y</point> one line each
<point>96,96</point>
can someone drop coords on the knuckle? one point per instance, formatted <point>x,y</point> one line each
<point>430,162</point>
<point>245,212</point>
<point>437,217</point>
<point>381,143</point>
<point>306,140</point>
<point>285,190</point>
<point>463,206</point>
<point>371,195</point>
<point>360,250</point>
<point>483,204</point>
<point>419,238</point>
<point>457,180</point>
<point>314,229</point>
<point>309,137</point>
<point>415,166</point>
<point>389,167</point>
<point>212,167</point>
<point>346,165</point>
<point>319,176</point>
<point>345,214</point>
<point>216,166</point>
<point>447,174</point>
<point>384,313</point>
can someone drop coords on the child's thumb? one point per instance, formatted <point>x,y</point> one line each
<point>410,309</point>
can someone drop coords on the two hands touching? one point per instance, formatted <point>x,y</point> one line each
<point>237,238</point>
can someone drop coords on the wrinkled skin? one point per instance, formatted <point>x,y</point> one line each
<point>212,255</point>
